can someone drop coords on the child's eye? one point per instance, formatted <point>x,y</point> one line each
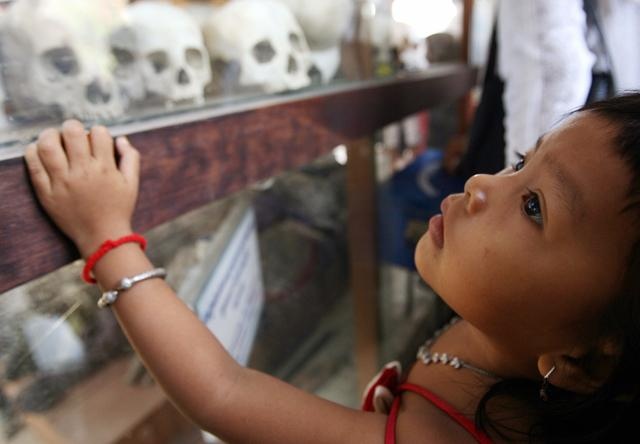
<point>517,166</point>
<point>532,208</point>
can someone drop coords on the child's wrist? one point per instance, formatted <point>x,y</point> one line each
<point>90,244</point>
<point>126,260</point>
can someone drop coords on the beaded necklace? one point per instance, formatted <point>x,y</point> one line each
<point>427,357</point>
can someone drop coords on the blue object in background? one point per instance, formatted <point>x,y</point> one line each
<point>407,201</point>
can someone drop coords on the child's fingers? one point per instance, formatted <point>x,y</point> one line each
<point>51,154</point>
<point>102,145</point>
<point>76,143</point>
<point>37,172</point>
<point>129,160</point>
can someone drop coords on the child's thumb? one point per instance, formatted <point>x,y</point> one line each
<point>129,160</point>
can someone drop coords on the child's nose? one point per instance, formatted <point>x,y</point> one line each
<point>475,192</point>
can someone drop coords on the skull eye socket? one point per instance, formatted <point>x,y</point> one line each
<point>194,58</point>
<point>295,41</point>
<point>292,65</point>
<point>159,61</point>
<point>124,57</point>
<point>314,74</point>
<point>263,51</point>
<point>61,60</point>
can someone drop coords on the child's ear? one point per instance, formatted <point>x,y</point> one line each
<point>582,369</point>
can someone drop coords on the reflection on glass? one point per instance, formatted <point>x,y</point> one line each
<point>53,340</point>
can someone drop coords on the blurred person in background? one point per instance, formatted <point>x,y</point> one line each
<point>547,58</point>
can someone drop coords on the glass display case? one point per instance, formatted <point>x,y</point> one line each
<point>219,108</point>
<point>114,63</point>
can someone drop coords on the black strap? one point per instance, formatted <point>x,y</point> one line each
<point>485,149</point>
<point>602,81</point>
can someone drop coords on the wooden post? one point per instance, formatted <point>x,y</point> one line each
<point>465,104</point>
<point>363,258</point>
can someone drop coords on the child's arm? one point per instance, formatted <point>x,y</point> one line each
<point>92,199</point>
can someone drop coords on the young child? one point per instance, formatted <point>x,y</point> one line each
<point>541,262</point>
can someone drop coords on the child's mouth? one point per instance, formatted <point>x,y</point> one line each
<point>436,230</point>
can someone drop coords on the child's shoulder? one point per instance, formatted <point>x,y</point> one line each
<point>423,422</point>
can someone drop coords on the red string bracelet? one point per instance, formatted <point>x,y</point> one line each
<point>104,248</point>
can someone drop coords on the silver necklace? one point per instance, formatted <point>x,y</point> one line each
<point>427,357</point>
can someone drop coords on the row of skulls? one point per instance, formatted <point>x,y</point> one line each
<point>93,59</point>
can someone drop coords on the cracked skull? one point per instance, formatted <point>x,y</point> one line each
<point>56,58</point>
<point>324,24</point>
<point>263,40</point>
<point>161,54</point>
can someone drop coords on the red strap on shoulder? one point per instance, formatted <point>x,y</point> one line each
<point>388,377</point>
<point>392,419</point>
<point>465,422</point>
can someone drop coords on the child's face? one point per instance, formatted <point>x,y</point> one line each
<point>532,255</point>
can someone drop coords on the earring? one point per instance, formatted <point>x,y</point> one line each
<point>545,385</point>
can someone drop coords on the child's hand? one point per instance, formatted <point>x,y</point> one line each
<point>76,178</point>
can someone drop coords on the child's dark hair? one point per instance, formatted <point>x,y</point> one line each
<point>610,414</point>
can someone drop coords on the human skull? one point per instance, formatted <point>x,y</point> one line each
<point>325,64</point>
<point>263,40</point>
<point>128,70</point>
<point>324,22</point>
<point>56,59</point>
<point>413,54</point>
<point>161,54</point>
<point>377,30</point>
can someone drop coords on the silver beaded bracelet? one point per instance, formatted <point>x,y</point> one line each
<point>109,297</point>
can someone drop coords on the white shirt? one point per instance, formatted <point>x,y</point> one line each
<point>546,65</point>
<point>620,20</point>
